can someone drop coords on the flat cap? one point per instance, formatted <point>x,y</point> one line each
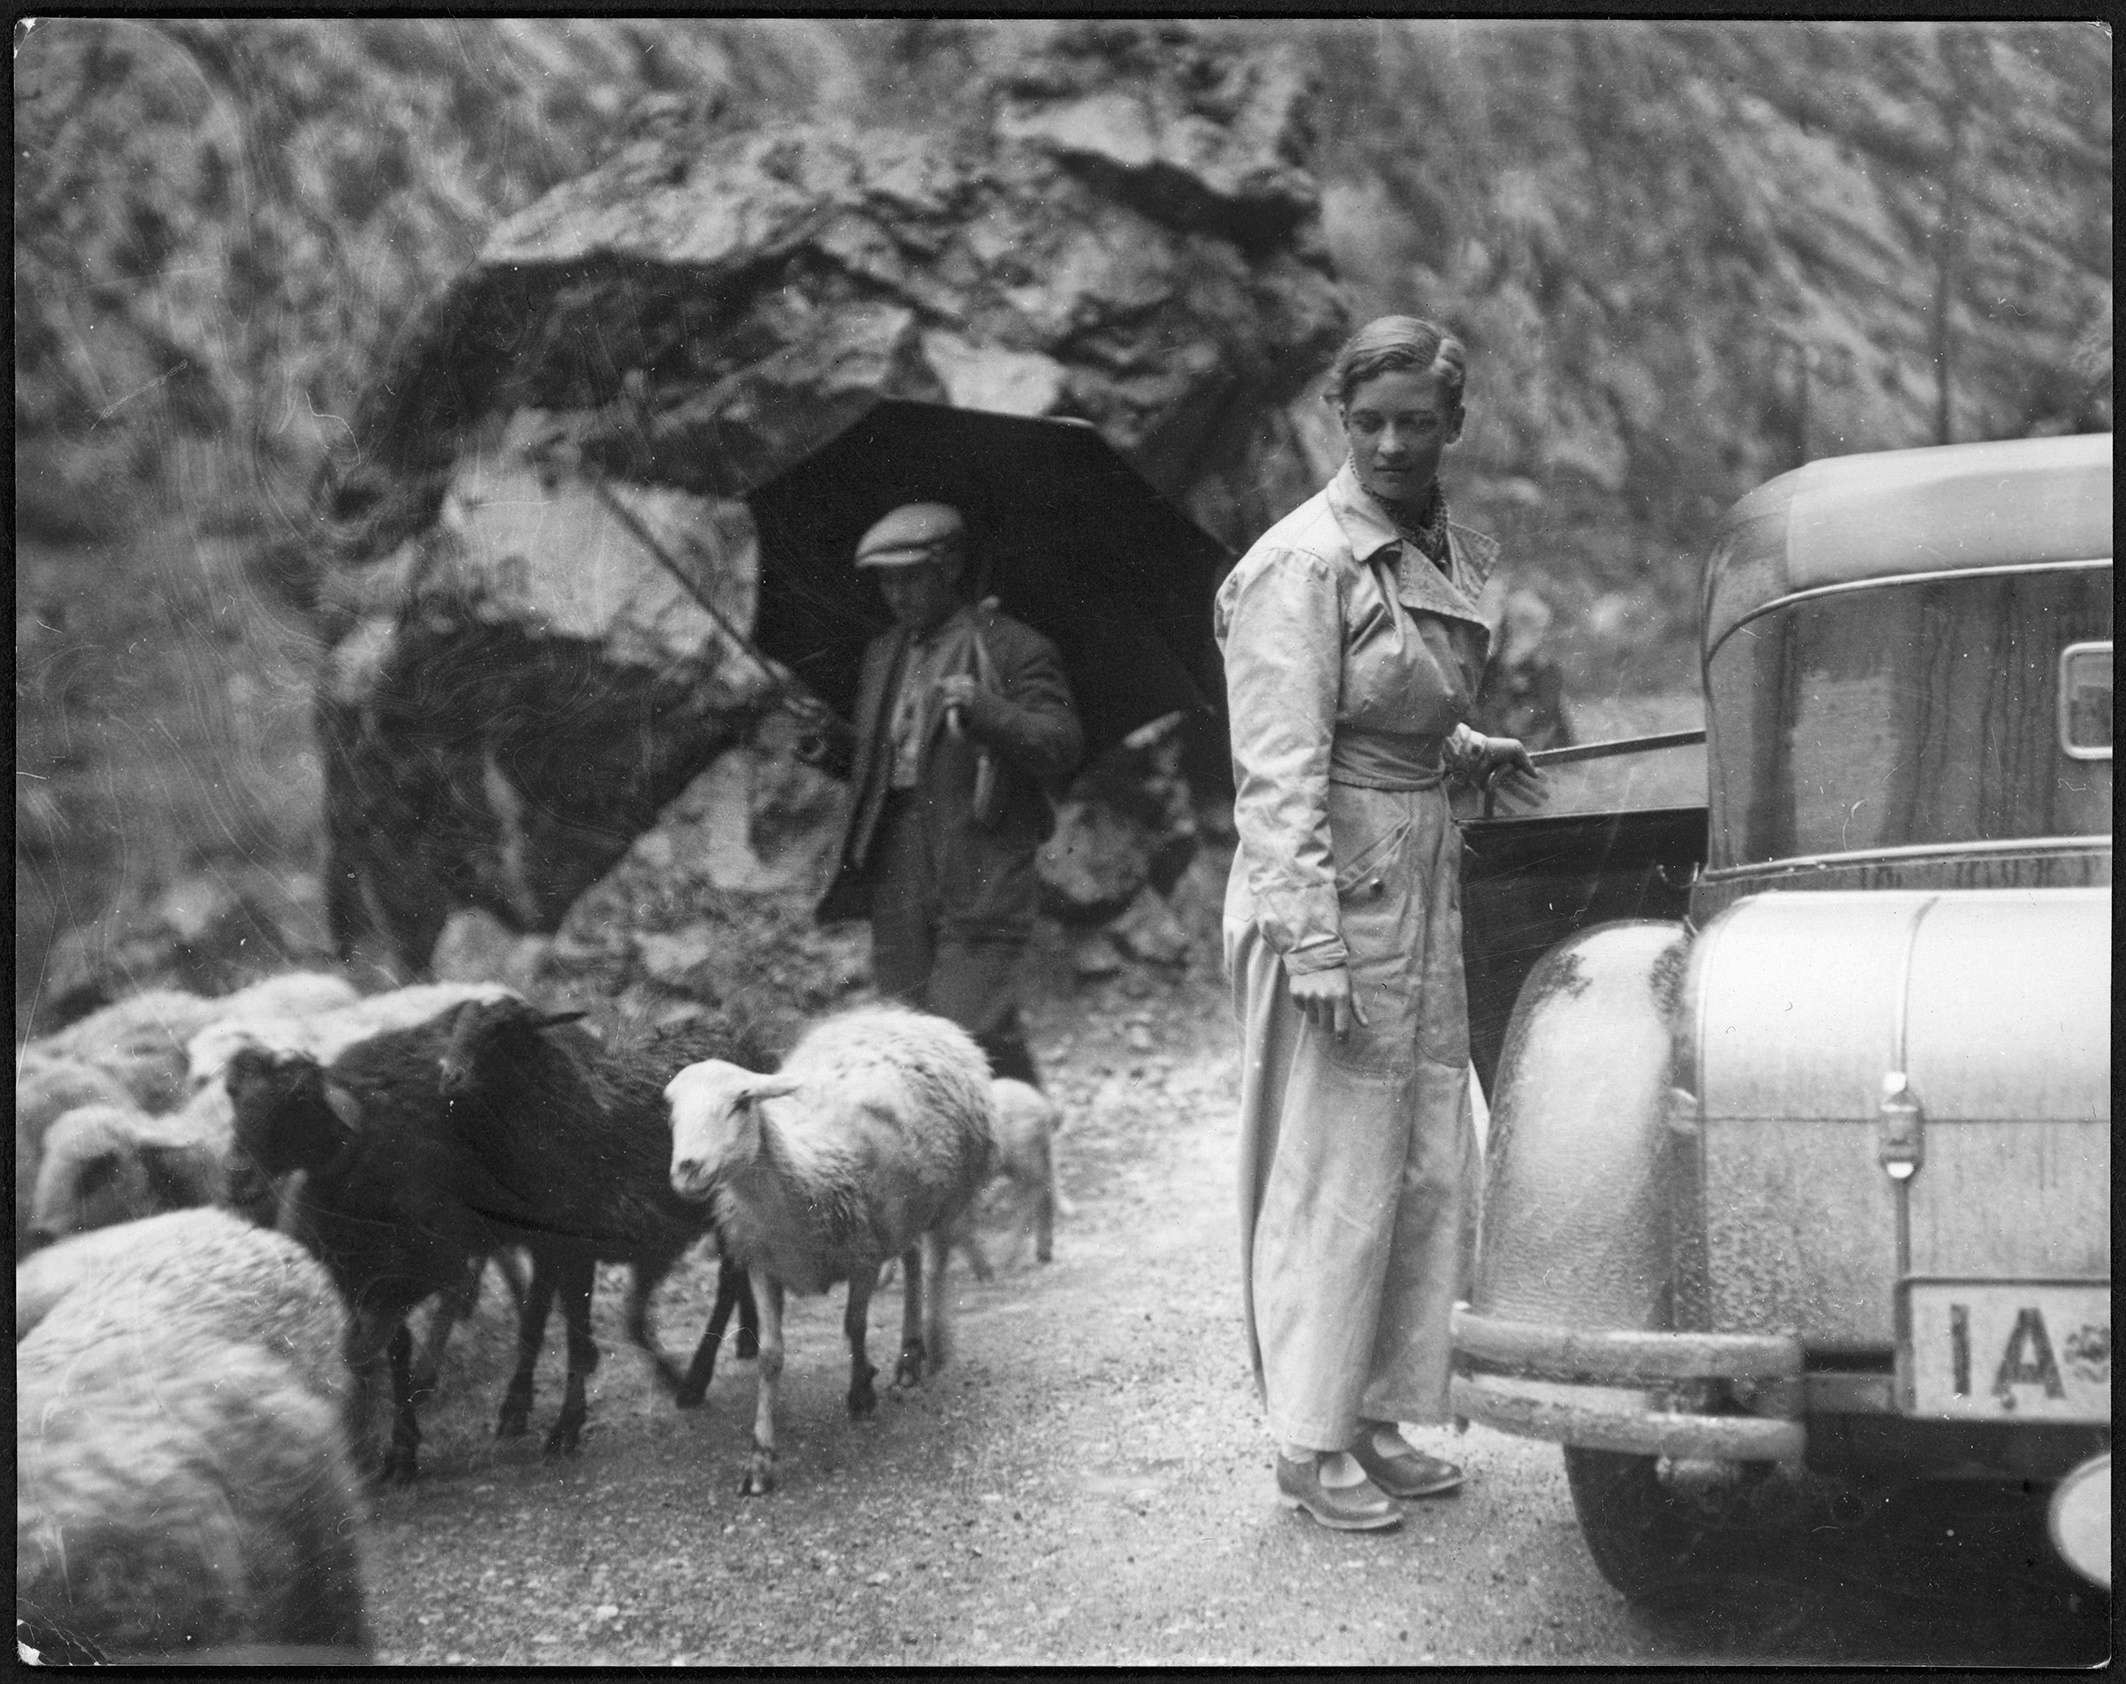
<point>912,533</point>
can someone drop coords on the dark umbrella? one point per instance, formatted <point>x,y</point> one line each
<point>1071,539</point>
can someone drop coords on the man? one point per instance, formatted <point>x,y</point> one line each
<point>963,717</point>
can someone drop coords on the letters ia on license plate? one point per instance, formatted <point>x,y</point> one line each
<point>2007,1351</point>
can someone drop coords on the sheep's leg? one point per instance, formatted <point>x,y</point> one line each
<point>965,1237</point>
<point>760,1468</point>
<point>732,1290</point>
<point>401,1464</point>
<point>909,1370</point>
<point>1044,1216</point>
<point>856,1318</point>
<point>512,1276</point>
<point>452,1307</point>
<point>515,1420</point>
<point>368,1347</point>
<point>748,1346</point>
<point>936,1252</point>
<point>577,1279</point>
<point>643,1280</point>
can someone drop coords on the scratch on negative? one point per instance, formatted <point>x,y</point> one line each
<point>112,408</point>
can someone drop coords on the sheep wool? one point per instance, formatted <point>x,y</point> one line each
<point>1024,1190</point>
<point>47,1087</point>
<point>283,1024</point>
<point>868,1143</point>
<point>141,1041</point>
<point>104,1164</point>
<point>879,1129</point>
<point>182,1483</point>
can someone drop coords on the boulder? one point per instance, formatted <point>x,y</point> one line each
<point>1093,956</point>
<point>208,932</point>
<point>1141,779</point>
<point>476,946</point>
<point>1148,930</point>
<point>1095,864</point>
<point>711,906</point>
<point>538,565</point>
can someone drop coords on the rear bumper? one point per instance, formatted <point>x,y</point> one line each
<point>1647,1393</point>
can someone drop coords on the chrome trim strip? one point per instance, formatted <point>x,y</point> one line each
<point>1909,851</point>
<point>1622,1357</point>
<point>1997,1279</point>
<point>1938,576</point>
<point>1598,1422</point>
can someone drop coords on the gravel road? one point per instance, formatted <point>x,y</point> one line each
<point>1089,1481</point>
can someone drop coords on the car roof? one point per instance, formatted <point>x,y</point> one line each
<point>1849,520</point>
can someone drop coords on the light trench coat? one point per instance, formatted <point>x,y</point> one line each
<point>1350,659</point>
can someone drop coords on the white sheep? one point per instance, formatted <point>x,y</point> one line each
<point>868,1143</point>
<point>133,1055</point>
<point>324,1034</point>
<point>1027,1123</point>
<point>113,1163</point>
<point>140,1040</point>
<point>47,1086</point>
<point>182,1482</point>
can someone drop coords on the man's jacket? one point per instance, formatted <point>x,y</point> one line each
<point>981,857</point>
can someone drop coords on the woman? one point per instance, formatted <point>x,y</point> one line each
<point>1353,645</point>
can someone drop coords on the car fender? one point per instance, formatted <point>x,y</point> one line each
<point>1576,1225</point>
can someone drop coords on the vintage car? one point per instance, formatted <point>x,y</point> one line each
<point>1800,1128</point>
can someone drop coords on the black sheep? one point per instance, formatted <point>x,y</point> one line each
<point>401,1183</point>
<point>574,1148</point>
<point>361,1163</point>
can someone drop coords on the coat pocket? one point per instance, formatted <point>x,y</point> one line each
<point>1365,872</point>
<point>1373,832</point>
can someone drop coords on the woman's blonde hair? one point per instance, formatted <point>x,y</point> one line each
<point>1396,342</point>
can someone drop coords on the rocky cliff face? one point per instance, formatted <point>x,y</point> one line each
<point>1122,228</point>
<point>1684,255</point>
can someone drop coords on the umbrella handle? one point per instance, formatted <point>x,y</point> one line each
<point>788,689</point>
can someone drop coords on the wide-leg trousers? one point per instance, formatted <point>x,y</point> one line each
<point>1358,1157</point>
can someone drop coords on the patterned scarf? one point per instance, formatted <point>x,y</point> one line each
<point>1429,533</point>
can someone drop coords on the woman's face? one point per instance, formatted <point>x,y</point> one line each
<point>1399,424</point>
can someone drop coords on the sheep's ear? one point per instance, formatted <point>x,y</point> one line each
<point>767,1087</point>
<point>554,1020</point>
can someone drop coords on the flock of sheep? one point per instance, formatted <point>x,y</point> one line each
<point>227,1209</point>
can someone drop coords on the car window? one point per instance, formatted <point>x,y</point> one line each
<point>2085,700</point>
<point>1915,712</point>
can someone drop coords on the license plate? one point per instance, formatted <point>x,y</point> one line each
<point>2007,1351</point>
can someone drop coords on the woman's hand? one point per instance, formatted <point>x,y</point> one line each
<point>1328,1000</point>
<point>1501,765</point>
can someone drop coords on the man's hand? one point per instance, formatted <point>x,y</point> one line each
<point>963,697</point>
<point>1328,1000</point>
<point>821,733</point>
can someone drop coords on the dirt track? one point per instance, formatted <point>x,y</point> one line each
<point>1089,1481</point>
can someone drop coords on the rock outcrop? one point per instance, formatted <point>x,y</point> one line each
<point>538,564</point>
